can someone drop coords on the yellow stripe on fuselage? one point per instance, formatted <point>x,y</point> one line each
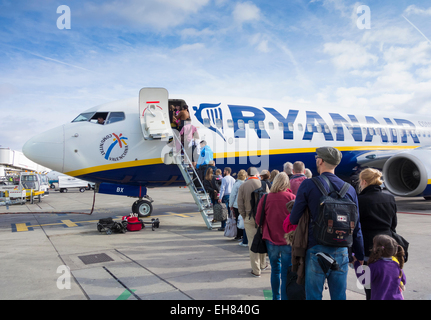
<point>113,166</point>
<point>236,154</point>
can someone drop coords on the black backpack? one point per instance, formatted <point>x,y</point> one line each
<point>256,195</point>
<point>337,217</point>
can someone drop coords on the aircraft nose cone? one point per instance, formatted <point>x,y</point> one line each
<point>47,149</point>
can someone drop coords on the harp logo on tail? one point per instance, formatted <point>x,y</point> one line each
<point>211,116</point>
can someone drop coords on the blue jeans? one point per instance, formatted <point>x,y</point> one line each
<point>315,278</point>
<point>280,258</point>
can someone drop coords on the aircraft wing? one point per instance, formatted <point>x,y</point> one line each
<point>376,159</point>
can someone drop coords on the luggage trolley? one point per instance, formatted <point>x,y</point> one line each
<point>108,225</point>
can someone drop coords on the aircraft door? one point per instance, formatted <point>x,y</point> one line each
<point>154,113</point>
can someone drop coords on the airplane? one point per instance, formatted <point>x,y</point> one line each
<point>129,149</point>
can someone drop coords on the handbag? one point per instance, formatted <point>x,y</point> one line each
<point>258,245</point>
<point>403,243</point>
<point>220,212</point>
<point>240,223</point>
<point>230,229</point>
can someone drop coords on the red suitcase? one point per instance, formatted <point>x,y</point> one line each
<point>133,223</point>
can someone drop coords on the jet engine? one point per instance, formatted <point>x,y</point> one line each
<point>407,173</point>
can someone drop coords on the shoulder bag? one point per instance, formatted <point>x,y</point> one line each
<point>258,245</point>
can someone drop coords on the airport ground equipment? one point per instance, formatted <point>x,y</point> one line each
<point>12,197</point>
<point>66,182</point>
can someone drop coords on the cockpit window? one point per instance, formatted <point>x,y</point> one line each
<point>115,117</point>
<point>83,117</point>
<point>100,117</point>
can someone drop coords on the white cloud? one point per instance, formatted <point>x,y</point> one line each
<point>338,5</point>
<point>245,12</point>
<point>412,9</point>
<point>349,55</point>
<point>261,42</point>
<point>389,35</point>
<point>194,33</point>
<point>161,14</point>
<point>189,47</point>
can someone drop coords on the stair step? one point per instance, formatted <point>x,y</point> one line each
<point>199,195</point>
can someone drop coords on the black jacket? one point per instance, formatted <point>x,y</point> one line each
<point>211,186</point>
<point>378,214</point>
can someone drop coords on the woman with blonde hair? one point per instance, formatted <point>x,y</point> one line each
<point>279,253</point>
<point>377,210</point>
<point>233,204</point>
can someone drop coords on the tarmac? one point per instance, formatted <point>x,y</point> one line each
<point>180,260</point>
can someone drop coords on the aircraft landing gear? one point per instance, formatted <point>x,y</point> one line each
<point>142,207</point>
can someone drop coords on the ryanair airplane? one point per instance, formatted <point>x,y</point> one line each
<point>124,147</point>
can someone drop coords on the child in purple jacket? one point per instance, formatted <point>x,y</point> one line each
<point>385,273</point>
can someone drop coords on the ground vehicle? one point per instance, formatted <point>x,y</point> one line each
<point>66,182</point>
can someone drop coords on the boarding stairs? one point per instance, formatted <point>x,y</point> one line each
<point>195,185</point>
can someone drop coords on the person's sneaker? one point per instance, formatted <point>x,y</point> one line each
<point>255,275</point>
<point>220,229</point>
<point>242,244</point>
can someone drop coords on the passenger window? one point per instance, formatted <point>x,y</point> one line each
<point>261,125</point>
<point>207,122</point>
<point>241,124</point>
<point>271,125</point>
<point>290,125</point>
<point>280,125</point>
<point>230,123</point>
<point>300,127</point>
<point>219,123</point>
<point>319,128</point>
<point>251,124</point>
<point>115,117</point>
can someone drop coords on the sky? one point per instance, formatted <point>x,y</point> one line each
<point>370,55</point>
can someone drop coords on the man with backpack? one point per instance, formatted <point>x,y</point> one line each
<point>333,228</point>
<point>245,208</point>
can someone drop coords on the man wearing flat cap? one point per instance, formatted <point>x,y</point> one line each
<point>308,196</point>
<point>257,260</point>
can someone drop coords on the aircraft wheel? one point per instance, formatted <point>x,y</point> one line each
<point>143,208</point>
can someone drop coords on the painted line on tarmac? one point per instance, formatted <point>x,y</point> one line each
<point>132,292</point>
<point>125,295</point>
<point>70,223</point>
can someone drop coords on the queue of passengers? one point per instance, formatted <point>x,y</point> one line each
<point>290,211</point>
